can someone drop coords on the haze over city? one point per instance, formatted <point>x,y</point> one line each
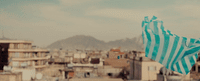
<point>46,21</point>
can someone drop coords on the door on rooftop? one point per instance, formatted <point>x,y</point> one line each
<point>118,57</point>
<point>66,74</point>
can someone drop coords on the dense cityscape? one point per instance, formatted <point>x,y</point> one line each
<point>22,61</point>
<point>99,40</point>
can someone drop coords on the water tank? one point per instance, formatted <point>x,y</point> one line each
<point>39,76</point>
<point>7,68</point>
<point>69,65</point>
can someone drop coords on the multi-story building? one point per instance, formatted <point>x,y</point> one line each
<point>145,69</point>
<point>196,66</point>
<point>19,53</point>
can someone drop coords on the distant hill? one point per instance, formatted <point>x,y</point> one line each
<point>89,42</point>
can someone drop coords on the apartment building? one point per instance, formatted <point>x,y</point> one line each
<point>143,68</point>
<point>20,53</point>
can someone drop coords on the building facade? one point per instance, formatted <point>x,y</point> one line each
<point>19,53</point>
<point>115,53</point>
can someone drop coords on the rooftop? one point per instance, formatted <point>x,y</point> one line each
<point>115,50</point>
<point>117,62</point>
<point>121,53</point>
<point>14,41</point>
<point>10,73</point>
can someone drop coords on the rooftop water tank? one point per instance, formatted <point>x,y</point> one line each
<point>7,68</point>
<point>39,76</point>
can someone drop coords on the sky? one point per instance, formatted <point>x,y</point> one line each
<point>46,21</point>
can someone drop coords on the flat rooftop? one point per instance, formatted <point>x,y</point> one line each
<point>15,41</point>
<point>96,79</point>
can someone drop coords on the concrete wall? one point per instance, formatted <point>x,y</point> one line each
<point>112,54</point>
<point>150,70</point>
<point>11,77</point>
<point>137,70</point>
<point>187,77</point>
<point>145,70</point>
<point>131,70</point>
<point>27,73</point>
<point>77,55</point>
<point>106,70</point>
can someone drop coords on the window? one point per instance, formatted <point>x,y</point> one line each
<point>29,55</point>
<point>16,54</point>
<point>16,46</point>
<point>36,62</point>
<point>26,55</point>
<point>42,54</point>
<point>29,63</point>
<point>152,68</point>
<point>24,64</point>
<point>15,64</point>
<point>13,54</point>
<point>42,62</point>
<point>33,54</point>
<point>25,46</point>
<point>45,54</point>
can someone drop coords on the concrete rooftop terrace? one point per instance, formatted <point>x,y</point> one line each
<point>15,41</point>
<point>96,79</point>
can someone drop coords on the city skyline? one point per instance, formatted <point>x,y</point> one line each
<point>47,21</point>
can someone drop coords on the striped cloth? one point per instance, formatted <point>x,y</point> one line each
<point>174,52</point>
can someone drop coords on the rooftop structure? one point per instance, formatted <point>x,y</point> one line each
<point>143,68</point>
<point>8,76</point>
<point>116,53</point>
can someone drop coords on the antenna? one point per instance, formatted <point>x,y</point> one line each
<point>2,33</point>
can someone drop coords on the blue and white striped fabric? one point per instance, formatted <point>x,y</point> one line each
<point>174,52</point>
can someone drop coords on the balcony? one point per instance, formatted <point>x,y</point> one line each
<point>28,50</point>
<point>33,58</point>
<point>40,66</point>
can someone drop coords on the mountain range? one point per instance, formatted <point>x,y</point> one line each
<point>89,42</point>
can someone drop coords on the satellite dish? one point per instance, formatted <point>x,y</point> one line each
<point>39,76</point>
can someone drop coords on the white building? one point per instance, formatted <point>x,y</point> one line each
<point>143,68</point>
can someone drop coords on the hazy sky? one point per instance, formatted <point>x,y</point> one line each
<point>46,21</point>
